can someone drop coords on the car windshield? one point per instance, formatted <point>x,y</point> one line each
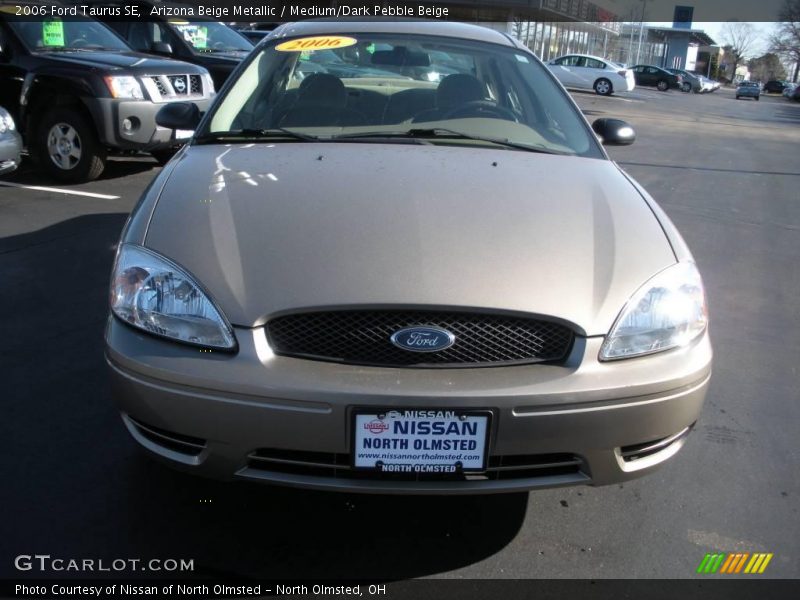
<point>75,34</point>
<point>210,36</point>
<point>364,87</point>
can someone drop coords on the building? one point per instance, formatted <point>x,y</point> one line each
<point>667,47</point>
<point>551,28</point>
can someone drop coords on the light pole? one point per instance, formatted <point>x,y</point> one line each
<point>641,31</point>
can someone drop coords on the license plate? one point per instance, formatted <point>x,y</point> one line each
<point>420,441</point>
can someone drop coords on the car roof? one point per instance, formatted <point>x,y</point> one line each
<point>419,27</point>
<point>584,55</point>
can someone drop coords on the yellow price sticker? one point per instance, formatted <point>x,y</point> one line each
<point>309,44</point>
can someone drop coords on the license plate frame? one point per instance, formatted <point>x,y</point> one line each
<point>358,417</point>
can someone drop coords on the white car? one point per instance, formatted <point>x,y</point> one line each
<point>592,73</point>
<point>709,85</point>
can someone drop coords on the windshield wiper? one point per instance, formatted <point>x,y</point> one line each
<point>255,134</point>
<point>444,133</point>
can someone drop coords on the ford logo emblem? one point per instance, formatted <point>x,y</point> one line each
<point>423,339</point>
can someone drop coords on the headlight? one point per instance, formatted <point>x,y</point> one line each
<point>151,293</point>
<point>6,121</point>
<point>124,86</point>
<point>666,312</point>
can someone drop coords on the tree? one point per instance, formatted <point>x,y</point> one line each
<point>766,67</point>
<point>786,42</point>
<point>739,38</point>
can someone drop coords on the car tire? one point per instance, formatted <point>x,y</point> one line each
<point>163,155</point>
<point>66,146</point>
<point>662,85</point>
<point>737,97</point>
<point>686,87</point>
<point>603,87</point>
<point>757,98</point>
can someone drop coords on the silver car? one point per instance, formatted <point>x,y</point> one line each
<point>396,285</point>
<point>10,143</point>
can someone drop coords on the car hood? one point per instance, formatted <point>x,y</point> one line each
<point>273,228</point>
<point>129,61</point>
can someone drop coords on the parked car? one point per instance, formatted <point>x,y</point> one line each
<point>77,91</point>
<point>203,42</point>
<point>10,143</point>
<point>592,73</point>
<point>774,86</point>
<point>748,89</point>
<point>789,89</point>
<point>318,294</point>
<point>657,77</point>
<point>690,83</point>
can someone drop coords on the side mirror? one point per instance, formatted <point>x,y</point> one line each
<point>614,132</point>
<point>179,115</point>
<point>161,48</point>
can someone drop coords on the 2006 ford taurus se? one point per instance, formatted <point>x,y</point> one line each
<point>394,257</point>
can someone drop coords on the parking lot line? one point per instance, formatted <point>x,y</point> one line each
<point>58,190</point>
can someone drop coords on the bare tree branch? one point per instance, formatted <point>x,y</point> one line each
<point>786,42</point>
<point>739,38</point>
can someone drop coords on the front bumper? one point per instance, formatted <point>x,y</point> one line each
<point>10,151</point>
<point>259,417</point>
<point>110,115</point>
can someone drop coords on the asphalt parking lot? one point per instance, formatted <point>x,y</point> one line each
<point>727,172</point>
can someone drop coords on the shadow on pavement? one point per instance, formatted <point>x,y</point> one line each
<point>78,488</point>
<point>116,167</point>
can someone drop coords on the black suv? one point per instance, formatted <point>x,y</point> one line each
<point>76,90</point>
<point>203,42</point>
<point>774,87</point>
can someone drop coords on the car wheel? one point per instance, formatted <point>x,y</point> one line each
<point>737,97</point>
<point>662,86</point>
<point>67,147</point>
<point>686,87</point>
<point>757,98</point>
<point>164,154</point>
<point>603,87</point>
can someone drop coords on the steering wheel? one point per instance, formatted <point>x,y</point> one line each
<point>80,43</point>
<point>481,108</point>
<point>218,46</point>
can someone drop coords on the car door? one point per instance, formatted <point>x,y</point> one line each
<point>564,70</point>
<point>591,70</point>
<point>638,75</point>
<point>653,74</point>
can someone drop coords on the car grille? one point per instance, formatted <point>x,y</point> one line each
<point>362,338</point>
<point>337,466</point>
<point>161,86</point>
<point>169,87</point>
<point>195,86</point>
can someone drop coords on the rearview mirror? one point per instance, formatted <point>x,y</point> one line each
<point>161,48</point>
<point>614,132</point>
<point>400,56</point>
<point>179,115</point>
